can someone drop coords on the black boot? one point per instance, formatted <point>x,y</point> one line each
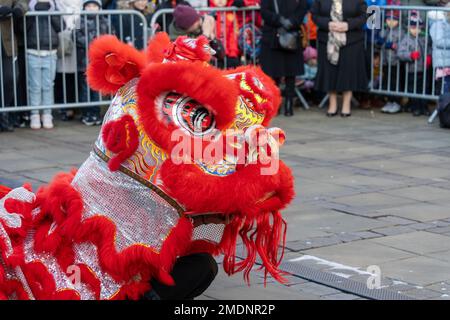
<point>6,124</point>
<point>288,107</point>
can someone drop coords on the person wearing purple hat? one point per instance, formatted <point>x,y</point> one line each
<point>186,21</point>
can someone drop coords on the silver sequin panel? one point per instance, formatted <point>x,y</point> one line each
<point>140,215</point>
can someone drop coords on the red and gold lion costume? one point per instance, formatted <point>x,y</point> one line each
<point>124,216</point>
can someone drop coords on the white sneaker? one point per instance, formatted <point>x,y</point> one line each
<point>47,121</point>
<point>396,108</point>
<point>35,121</point>
<point>387,107</point>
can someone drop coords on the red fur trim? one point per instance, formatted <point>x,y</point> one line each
<point>112,64</point>
<point>205,84</point>
<point>183,48</point>
<point>157,47</point>
<point>238,192</point>
<point>60,202</point>
<point>22,208</point>
<point>271,92</point>
<point>39,279</point>
<point>13,287</point>
<point>121,137</point>
<point>133,291</point>
<point>175,245</point>
<point>4,191</point>
<point>203,246</point>
<point>66,294</point>
<point>90,279</point>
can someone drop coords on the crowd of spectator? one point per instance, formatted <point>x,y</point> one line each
<point>44,61</point>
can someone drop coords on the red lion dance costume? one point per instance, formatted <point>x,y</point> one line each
<point>123,217</point>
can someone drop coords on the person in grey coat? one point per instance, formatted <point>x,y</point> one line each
<point>416,58</point>
<point>387,42</point>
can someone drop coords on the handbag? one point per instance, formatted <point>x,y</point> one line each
<point>287,40</point>
<point>65,43</point>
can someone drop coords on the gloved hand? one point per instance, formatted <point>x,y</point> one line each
<point>17,12</point>
<point>286,23</point>
<point>5,12</point>
<point>415,55</point>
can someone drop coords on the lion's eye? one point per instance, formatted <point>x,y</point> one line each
<point>188,114</point>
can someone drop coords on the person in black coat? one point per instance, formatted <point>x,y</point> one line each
<point>347,72</point>
<point>275,61</point>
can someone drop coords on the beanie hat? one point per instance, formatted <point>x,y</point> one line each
<point>185,16</point>
<point>97,2</point>
<point>415,19</point>
<point>393,15</point>
<point>309,53</point>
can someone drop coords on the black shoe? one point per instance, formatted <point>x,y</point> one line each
<point>6,125</point>
<point>97,120</point>
<point>88,120</point>
<point>346,115</point>
<point>332,114</point>
<point>288,108</point>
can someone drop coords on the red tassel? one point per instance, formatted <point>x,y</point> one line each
<point>266,239</point>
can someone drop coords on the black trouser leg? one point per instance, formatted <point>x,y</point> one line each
<point>192,274</point>
<point>7,119</point>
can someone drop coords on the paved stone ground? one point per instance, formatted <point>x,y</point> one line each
<point>372,190</point>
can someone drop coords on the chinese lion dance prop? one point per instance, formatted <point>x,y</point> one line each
<point>125,215</point>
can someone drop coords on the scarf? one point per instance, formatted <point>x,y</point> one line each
<point>336,40</point>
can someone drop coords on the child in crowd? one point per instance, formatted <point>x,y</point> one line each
<point>91,26</point>
<point>388,40</point>
<point>310,66</point>
<point>413,53</point>
<point>42,44</point>
<point>440,35</point>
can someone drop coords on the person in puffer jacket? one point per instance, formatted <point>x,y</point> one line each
<point>42,44</point>
<point>387,41</point>
<point>416,58</point>
<point>91,26</point>
<point>440,36</point>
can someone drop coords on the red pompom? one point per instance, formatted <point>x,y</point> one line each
<point>121,137</point>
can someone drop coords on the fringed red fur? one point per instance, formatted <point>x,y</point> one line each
<point>175,245</point>
<point>157,46</point>
<point>4,191</point>
<point>205,84</point>
<point>112,64</point>
<point>237,192</point>
<point>40,280</point>
<point>121,137</point>
<point>90,279</point>
<point>13,287</point>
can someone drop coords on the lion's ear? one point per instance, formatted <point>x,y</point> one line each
<point>112,64</point>
<point>157,47</point>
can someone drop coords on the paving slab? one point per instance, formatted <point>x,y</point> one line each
<point>418,242</point>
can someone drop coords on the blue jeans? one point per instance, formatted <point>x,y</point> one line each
<point>447,84</point>
<point>41,80</point>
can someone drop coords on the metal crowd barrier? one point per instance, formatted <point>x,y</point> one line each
<point>389,76</point>
<point>397,77</point>
<point>248,15</point>
<point>119,22</point>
